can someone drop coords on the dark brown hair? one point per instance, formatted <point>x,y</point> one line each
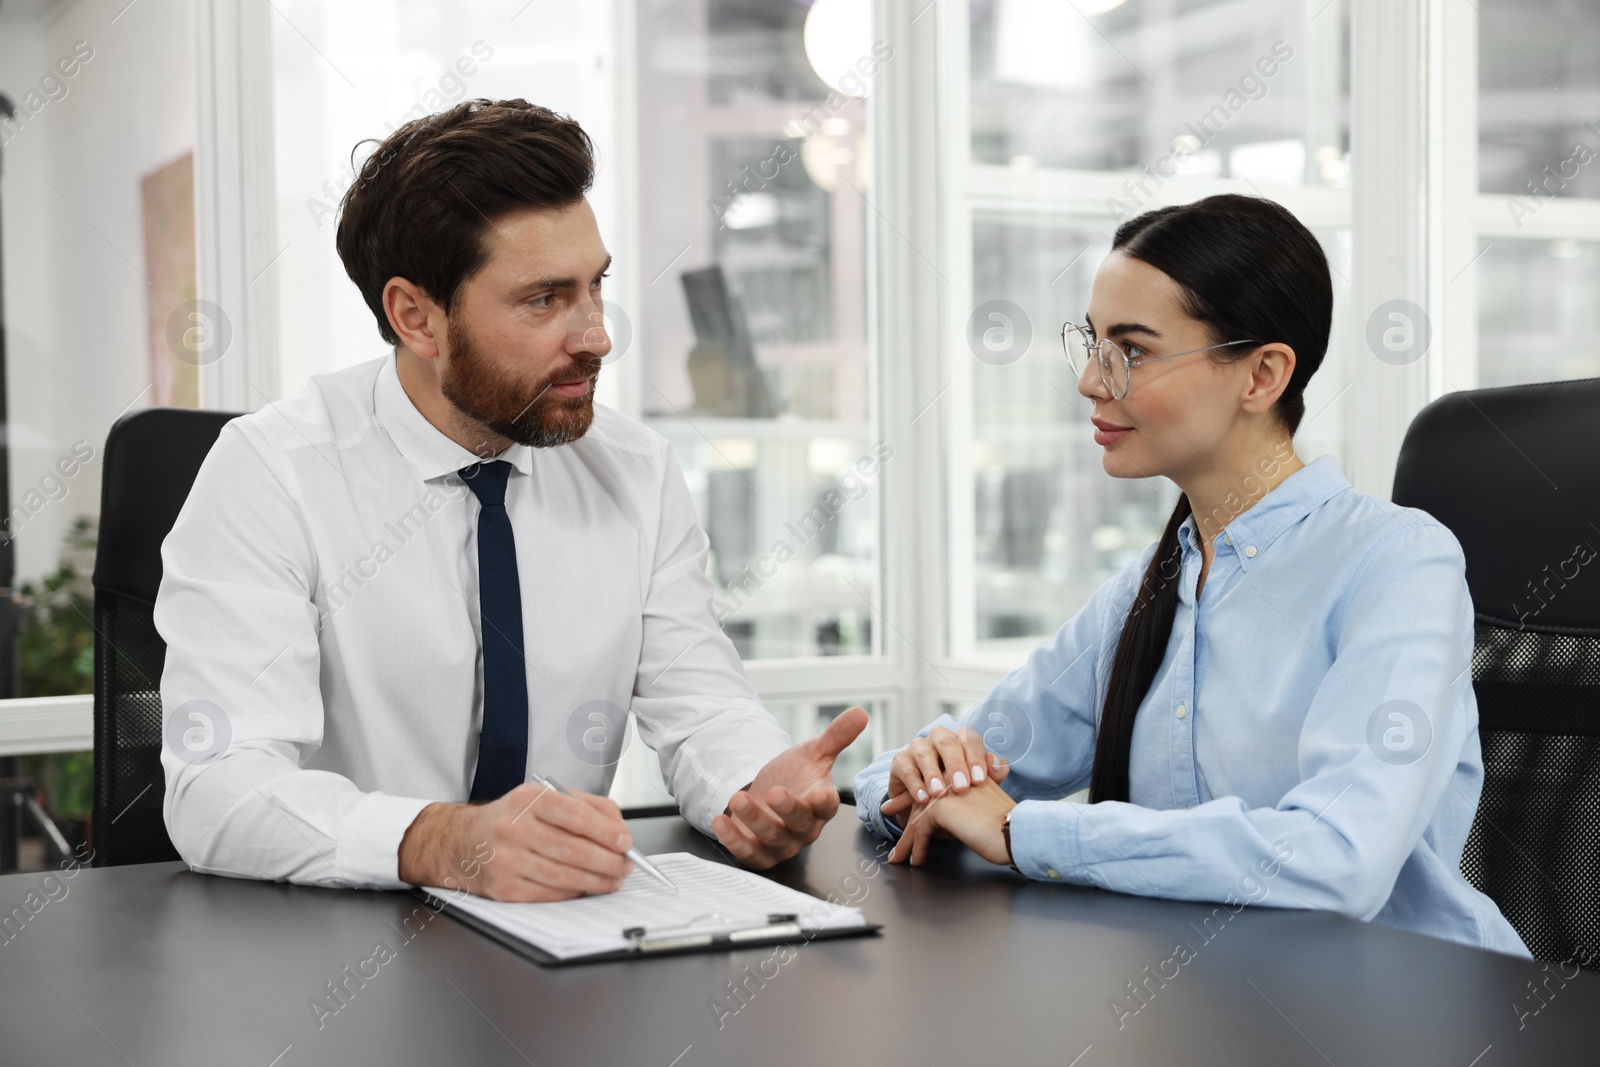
<point>1246,268</point>
<point>422,203</point>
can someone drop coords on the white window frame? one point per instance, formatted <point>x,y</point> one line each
<point>235,197</point>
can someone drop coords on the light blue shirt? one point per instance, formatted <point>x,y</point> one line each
<point>1310,739</point>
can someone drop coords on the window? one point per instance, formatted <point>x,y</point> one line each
<point>752,315</point>
<point>1538,319</point>
<point>1536,70</point>
<point>1539,180</point>
<point>1250,91</point>
<point>847,234</point>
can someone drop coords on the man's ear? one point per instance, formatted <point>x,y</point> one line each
<point>414,316</point>
<point>1272,366</point>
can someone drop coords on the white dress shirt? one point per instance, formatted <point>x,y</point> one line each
<point>320,597</point>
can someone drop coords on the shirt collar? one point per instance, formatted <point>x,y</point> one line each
<point>423,445</point>
<point>1250,533</point>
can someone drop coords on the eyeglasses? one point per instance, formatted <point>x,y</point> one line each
<point>1079,344</point>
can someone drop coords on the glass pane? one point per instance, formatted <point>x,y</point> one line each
<point>1050,526</point>
<point>1539,82</point>
<point>1252,89</point>
<point>752,325</point>
<point>1537,317</point>
<point>792,519</point>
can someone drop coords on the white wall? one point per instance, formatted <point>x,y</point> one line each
<point>25,240</point>
<point>75,294</point>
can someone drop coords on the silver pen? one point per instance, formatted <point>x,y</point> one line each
<point>633,854</point>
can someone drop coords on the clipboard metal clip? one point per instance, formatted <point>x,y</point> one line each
<point>725,930</point>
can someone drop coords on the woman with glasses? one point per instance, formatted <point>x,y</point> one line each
<point>1273,704</point>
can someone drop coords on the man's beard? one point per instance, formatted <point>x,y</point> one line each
<point>527,414</point>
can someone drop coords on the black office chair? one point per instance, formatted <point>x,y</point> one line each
<point>1515,474</point>
<point>149,465</point>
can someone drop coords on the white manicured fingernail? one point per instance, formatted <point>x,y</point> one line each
<point>959,780</point>
<point>922,796</point>
<point>977,772</point>
<point>938,786</point>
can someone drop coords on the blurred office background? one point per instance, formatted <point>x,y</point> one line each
<point>846,234</point>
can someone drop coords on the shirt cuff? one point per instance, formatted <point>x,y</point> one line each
<point>369,839</point>
<point>722,795</point>
<point>1044,840</point>
<point>870,795</point>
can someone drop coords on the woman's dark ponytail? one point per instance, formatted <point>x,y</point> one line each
<point>1139,653</point>
<point>1246,268</point>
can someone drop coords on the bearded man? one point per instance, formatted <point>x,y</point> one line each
<point>396,601</point>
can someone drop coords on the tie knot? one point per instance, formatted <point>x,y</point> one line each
<point>487,481</point>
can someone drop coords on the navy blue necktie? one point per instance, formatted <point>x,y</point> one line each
<point>503,742</point>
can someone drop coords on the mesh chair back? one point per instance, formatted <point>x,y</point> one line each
<point>150,462</point>
<point>1515,474</point>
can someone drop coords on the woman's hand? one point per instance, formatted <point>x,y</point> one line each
<point>972,817</point>
<point>946,761</point>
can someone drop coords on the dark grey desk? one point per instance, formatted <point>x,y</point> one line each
<point>152,965</point>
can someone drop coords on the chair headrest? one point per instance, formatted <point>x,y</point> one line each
<point>1514,472</point>
<point>149,465</point>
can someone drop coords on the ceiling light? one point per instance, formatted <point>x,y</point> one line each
<point>837,34</point>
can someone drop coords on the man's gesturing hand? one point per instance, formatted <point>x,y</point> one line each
<point>534,843</point>
<point>791,799</point>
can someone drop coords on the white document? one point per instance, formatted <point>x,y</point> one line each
<point>710,897</point>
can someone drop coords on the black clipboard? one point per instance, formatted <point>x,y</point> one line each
<point>778,929</point>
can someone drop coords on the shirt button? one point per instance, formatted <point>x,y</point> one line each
<point>1053,873</point>
<point>1228,538</point>
<point>1251,551</point>
<point>1182,711</point>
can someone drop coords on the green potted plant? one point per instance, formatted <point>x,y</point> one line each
<point>56,658</point>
